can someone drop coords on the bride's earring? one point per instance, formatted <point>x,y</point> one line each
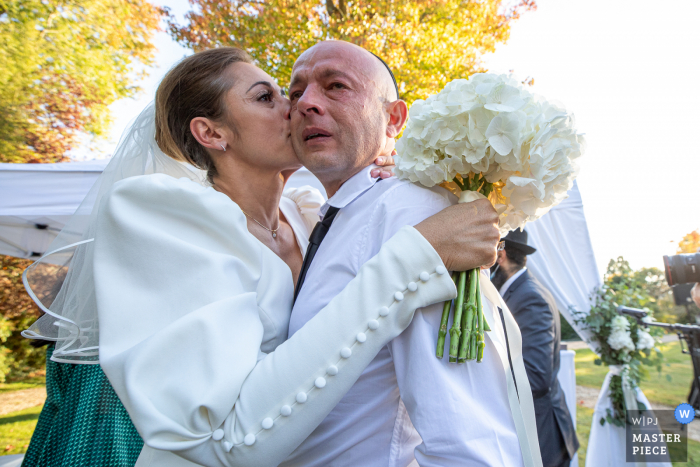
<point>223,148</point>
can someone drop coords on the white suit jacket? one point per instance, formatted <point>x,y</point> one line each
<point>193,310</point>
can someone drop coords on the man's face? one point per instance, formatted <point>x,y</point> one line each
<point>337,115</point>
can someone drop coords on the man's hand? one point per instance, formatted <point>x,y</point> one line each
<point>695,293</point>
<point>464,235</point>
<point>386,166</point>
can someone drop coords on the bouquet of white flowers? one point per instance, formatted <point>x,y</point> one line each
<point>489,137</point>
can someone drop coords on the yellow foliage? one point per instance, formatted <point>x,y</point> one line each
<point>63,63</point>
<point>427,43</point>
<point>690,243</point>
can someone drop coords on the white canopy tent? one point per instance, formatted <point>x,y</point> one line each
<point>37,199</point>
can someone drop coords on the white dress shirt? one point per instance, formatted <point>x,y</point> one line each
<point>461,412</point>
<point>506,285</point>
<point>193,314</point>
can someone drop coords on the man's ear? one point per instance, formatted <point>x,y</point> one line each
<point>208,134</point>
<point>501,256</point>
<point>398,113</point>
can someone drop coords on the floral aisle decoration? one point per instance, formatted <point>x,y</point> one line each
<point>489,137</point>
<point>622,344</point>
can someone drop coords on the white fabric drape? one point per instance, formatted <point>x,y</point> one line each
<point>36,201</point>
<point>564,261</point>
<point>567,379</point>
<point>606,443</point>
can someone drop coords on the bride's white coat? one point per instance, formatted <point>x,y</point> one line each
<point>193,314</point>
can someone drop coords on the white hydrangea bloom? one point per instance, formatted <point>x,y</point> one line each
<point>619,323</point>
<point>491,125</point>
<point>621,340</point>
<point>644,340</point>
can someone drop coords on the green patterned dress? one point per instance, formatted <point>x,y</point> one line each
<point>83,422</point>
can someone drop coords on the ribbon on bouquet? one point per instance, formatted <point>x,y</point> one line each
<point>520,400</point>
<point>629,393</point>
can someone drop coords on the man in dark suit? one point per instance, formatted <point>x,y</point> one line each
<point>537,316</point>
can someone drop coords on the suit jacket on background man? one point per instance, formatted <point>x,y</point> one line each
<point>534,309</point>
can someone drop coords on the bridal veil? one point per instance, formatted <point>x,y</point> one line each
<point>61,282</point>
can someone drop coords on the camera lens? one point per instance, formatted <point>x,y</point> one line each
<point>682,269</point>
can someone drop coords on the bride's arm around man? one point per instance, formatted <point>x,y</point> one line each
<point>194,284</point>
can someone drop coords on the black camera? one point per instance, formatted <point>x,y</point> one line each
<point>682,269</point>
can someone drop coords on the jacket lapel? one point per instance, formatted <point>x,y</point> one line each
<point>517,283</point>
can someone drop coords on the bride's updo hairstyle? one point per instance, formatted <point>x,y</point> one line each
<point>195,87</point>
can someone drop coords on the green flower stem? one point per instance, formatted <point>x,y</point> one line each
<point>457,320</point>
<point>440,350</point>
<point>482,325</point>
<point>475,333</point>
<point>468,319</point>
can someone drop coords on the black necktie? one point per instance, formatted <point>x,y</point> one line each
<point>315,240</point>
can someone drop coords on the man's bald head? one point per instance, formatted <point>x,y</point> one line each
<point>345,112</point>
<point>376,71</point>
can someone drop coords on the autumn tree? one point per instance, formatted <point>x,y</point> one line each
<point>426,43</point>
<point>690,243</point>
<point>63,63</point>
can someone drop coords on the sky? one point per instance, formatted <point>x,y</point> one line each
<point>629,72</point>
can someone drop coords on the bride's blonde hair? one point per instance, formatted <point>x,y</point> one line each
<point>195,87</point>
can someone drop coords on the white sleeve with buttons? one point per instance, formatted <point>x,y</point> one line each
<point>181,330</point>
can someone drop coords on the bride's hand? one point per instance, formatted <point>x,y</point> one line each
<point>464,235</point>
<point>386,164</point>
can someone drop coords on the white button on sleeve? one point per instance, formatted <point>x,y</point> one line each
<point>373,324</point>
<point>320,382</point>
<point>286,411</point>
<point>424,276</point>
<point>267,423</point>
<point>398,296</point>
<point>384,311</point>
<point>441,270</point>
<point>361,337</point>
<point>412,286</point>
<point>249,439</point>
<point>332,370</point>
<point>301,397</point>
<point>346,352</point>
<point>218,435</point>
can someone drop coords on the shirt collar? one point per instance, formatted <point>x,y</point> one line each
<point>509,282</point>
<point>351,189</point>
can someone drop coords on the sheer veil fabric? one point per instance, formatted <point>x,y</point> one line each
<point>61,282</point>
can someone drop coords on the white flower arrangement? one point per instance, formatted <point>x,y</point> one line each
<point>490,137</point>
<point>619,323</point>
<point>517,149</point>
<point>620,340</point>
<point>645,340</point>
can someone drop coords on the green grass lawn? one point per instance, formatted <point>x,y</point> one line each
<point>26,384</point>
<point>16,430</point>
<point>656,387</point>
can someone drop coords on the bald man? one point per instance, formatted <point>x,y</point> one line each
<point>407,408</point>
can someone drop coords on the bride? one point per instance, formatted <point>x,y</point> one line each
<point>186,289</point>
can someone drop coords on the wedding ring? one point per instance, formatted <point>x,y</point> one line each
<point>501,246</point>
